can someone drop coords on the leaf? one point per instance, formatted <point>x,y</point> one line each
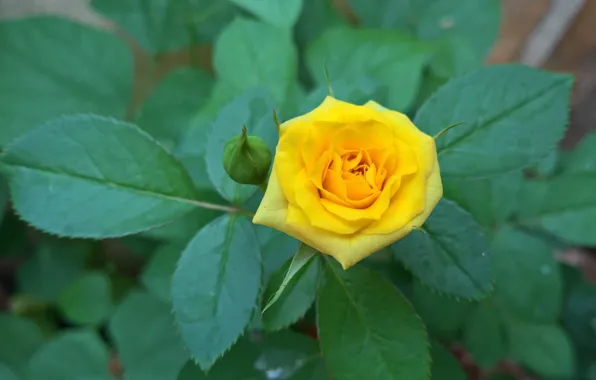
<point>254,108</point>
<point>443,316</point>
<point>157,274</point>
<point>184,228</point>
<point>545,349</point>
<point>87,355</point>
<point>448,253</point>
<point>216,286</point>
<point>368,330</point>
<point>389,58</point>
<point>6,373</point>
<point>147,342</point>
<point>249,53</point>
<point>53,266</point>
<point>578,316</point>
<point>209,18</point>
<point>95,177</point>
<point>389,14</point>
<point>168,112</point>
<point>484,335</point>
<point>357,91</point>
<point>59,67</point>
<point>525,109</point>
<point>316,17</point>
<point>292,290</point>
<point>582,159</point>
<point>527,278</point>
<point>87,300</point>
<point>445,366</point>
<point>279,13</point>
<point>25,338</point>
<point>276,249</point>
<point>4,197</point>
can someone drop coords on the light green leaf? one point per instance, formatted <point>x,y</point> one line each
<point>168,112</point>
<point>368,330</point>
<point>316,17</point>
<point>25,338</point>
<point>59,67</point>
<point>158,272</point>
<point>582,159</point>
<point>526,110</point>
<point>443,316</point>
<point>95,177</point>
<point>184,228</point>
<point>484,335</point>
<point>548,165</point>
<point>87,300</point>
<point>545,349</point>
<point>445,366</point>
<point>279,13</point>
<point>388,57</point>
<point>249,53</point>
<point>527,278</point>
<point>6,373</point>
<point>53,266</point>
<point>210,18</point>
<point>147,342</point>
<point>448,253</point>
<point>389,14</point>
<point>292,290</point>
<point>216,286</point>
<point>255,109</point>
<point>356,91</point>
<point>88,358</point>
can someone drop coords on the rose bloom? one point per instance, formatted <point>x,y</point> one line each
<point>349,180</point>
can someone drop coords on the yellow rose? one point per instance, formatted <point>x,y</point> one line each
<point>350,180</point>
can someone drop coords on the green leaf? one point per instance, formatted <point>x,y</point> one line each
<point>389,58</point>
<point>6,373</point>
<point>484,335</point>
<point>87,300</point>
<point>368,330</point>
<point>279,13</point>
<point>168,112</point>
<point>216,286</point>
<point>73,355</point>
<point>445,366</point>
<point>579,313</point>
<point>582,159</point>
<point>4,197</point>
<point>53,266</point>
<point>545,349</point>
<point>95,177</point>
<point>249,53</point>
<point>292,290</point>
<point>157,25</point>
<point>184,228</point>
<point>356,91</point>
<point>524,109</point>
<point>24,338</point>
<point>527,278</point>
<point>210,18</point>
<point>254,108</point>
<point>389,14</point>
<point>276,249</point>
<point>448,253</point>
<point>316,17</point>
<point>147,342</point>
<point>59,67</point>
<point>443,316</point>
<point>158,272</point>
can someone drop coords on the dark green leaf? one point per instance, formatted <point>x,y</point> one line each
<point>368,330</point>
<point>389,14</point>
<point>527,277</point>
<point>389,58</point>
<point>276,248</point>
<point>445,365</point>
<point>74,355</point>
<point>579,314</point>
<point>6,373</point>
<point>4,197</point>
<point>184,228</point>
<point>316,16</point>
<point>87,300</point>
<point>280,13</point>
<point>147,341</point>
<point>216,286</point>
<point>59,67</point>
<point>90,176</point>
<point>484,335</point>
<point>526,110</point>
<point>582,159</point>
<point>157,275</point>
<point>210,18</point>
<point>21,337</point>
<point>448,253</point>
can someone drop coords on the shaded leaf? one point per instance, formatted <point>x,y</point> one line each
<point>87,300</point>
<point>158,272</point>
<point>484,335</point>
<point>25,338</point>
<point>445,365</point>
<point>280,13</point>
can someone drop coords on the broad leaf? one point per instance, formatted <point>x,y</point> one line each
<point>276,248</point>
<point>368,330</point>
<point>316,16</point>
<point>578,317</point>
<point>21,337</point>
<point>389,14</point>
<point>157,274</point>
<point>448,253</point>
<point>253,109</point>
<point>524,109</point>
<point>87,300</point>
<point>6,373</point>
<point>527,278</point>
<point>355,91</point>
<point>88,358</point>
<point>147,342</point>
<point>59,67</point>
<point>292,290</point>
<point>95,177</point>
<point>390,58</point>
<point>216,286</point>
<point>249,53</point>
<point>582,159</point>
<point>484,335</point>
<point>280,13</point>
<point>445,365</point>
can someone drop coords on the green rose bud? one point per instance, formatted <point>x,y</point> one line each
<point>246,159</point>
